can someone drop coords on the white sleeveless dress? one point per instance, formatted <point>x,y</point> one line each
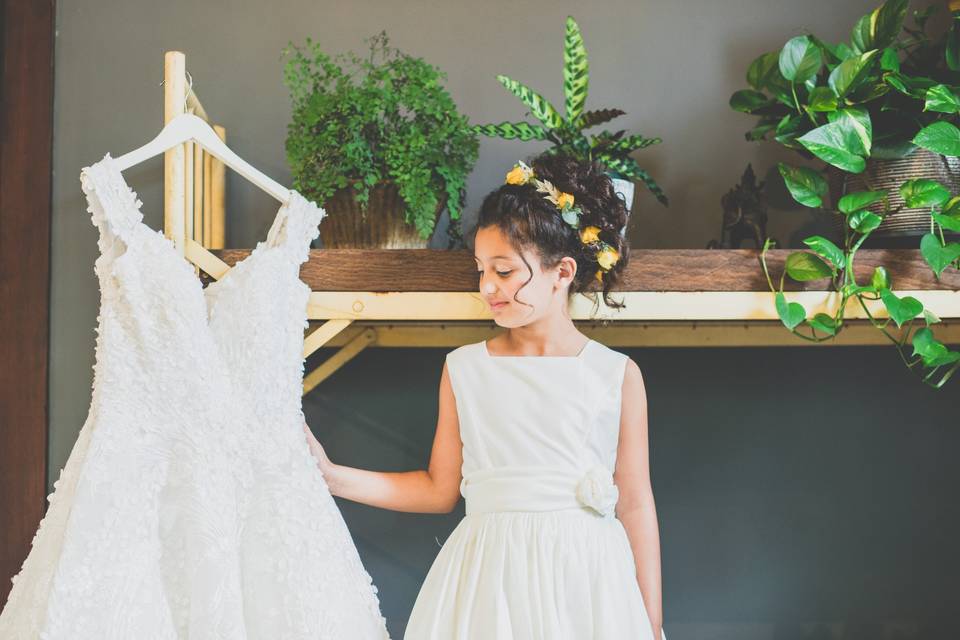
<point>540,554</point>
<point>190,506</point>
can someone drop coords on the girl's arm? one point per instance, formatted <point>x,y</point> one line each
<point>636,508</point>
<point>432,490</point>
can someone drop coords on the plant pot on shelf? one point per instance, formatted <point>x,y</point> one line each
<point>906,225</point>
<point>624,189</point>
<point>381,226</point>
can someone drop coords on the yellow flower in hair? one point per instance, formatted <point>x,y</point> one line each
<point>589,234</point>
<point>600,276</point>
<point>607,257</point>
<point>564,199</point>
<point>520,174</point>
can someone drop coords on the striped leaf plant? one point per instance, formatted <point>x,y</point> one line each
<point>566,132</point>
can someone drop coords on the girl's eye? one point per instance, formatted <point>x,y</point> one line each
<point>502,274</point>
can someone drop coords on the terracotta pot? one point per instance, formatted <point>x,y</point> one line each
<point>380,226</point>
<point>888,175</point>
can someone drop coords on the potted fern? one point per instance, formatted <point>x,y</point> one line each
<point>566,132</point>
<point>379,142</point>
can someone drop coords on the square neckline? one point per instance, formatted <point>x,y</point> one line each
<point>583,349</point>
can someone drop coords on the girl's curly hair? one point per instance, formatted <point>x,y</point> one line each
<point>528,219</point>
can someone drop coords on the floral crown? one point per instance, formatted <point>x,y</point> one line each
<point>606,254</point>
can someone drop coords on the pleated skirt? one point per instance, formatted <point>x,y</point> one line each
<point>556,575</point>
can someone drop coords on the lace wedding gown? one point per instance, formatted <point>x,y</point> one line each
<point>190,506</point>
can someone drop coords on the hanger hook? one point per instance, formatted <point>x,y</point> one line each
<point>187,92</point>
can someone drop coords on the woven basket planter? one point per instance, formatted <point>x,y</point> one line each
<point>888,175</point>
<point>380,226</point>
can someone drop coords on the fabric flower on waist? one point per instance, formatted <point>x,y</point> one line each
<point>597,490</point>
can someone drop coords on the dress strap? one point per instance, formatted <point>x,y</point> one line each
<point>297,224</point>
<point>113,206</point>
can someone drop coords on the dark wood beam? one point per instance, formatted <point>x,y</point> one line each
<point>26,127</point>
<point>647,270</point>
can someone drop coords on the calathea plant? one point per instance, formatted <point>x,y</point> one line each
<point>878,96</point>
<point>611,149</point>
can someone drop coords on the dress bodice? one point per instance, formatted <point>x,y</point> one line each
<point>524,420</point>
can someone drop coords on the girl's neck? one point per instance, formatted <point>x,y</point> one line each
<point>524,342</point>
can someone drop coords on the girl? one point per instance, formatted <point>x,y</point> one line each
<point>544,433</point>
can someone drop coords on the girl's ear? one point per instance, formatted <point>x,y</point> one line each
<point>566,271</point>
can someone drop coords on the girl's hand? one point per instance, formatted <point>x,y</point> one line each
<point>317,451</point>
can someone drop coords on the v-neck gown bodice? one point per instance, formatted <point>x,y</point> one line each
<point>190,506</point>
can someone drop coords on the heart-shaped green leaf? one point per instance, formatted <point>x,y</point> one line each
<point>900,309</point>
<point>791,314</point>
<point>748,100</point>
<point>886,22</point>
<point>803,266</point>
<point>826,249</point>
<point>860,200</point>
<point>889,60</point>
<point>952,53</point>
<point>952,208</point>
<point>940,137</point>
<point>822,99</point>
<point>861,36</point>
<point>940,98</point>
<point>864,221</point>
<point>764,71</point>
<point>938,256</point>
<point>923,192</point>
<point>947,222</point>
<point>848,75</point>
<point>805,185</point>
<point>824,323</point>
<point>800,59</point>
<point>880,279</point>
<point>788,129</point>
<point>933,352</point>
<point>836,143</point>
<point>857,121</point>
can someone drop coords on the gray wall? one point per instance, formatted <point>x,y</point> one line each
<point>776,521</point>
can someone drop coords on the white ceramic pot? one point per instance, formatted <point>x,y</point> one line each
<point>624,189</point>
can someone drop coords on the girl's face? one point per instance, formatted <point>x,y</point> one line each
<point>503,280</point>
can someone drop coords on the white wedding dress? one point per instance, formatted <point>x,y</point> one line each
<point>190,506</point>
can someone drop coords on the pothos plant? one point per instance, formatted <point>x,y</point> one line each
<point>384,118</point>
<point>566,132</point>
<point>882,96</point>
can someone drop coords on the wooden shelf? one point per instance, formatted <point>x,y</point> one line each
<point>671,286</point>
<point>673,297</point>
<point>424,270</point>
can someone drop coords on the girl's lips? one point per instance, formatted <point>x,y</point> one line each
<point>497,305</point>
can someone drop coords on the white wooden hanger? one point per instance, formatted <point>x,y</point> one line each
<point>187,127</point>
